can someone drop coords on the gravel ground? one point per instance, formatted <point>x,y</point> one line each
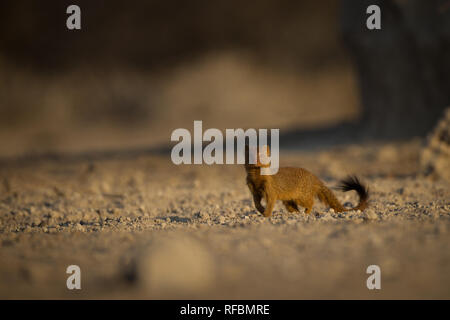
<point>141,227</point>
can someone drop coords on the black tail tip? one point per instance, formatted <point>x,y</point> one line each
<point>353,183</point>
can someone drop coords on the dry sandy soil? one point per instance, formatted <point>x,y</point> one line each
<point>140,227</point>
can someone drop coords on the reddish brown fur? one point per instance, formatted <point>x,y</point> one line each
<point>296,187</point>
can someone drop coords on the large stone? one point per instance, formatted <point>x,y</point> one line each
<point>176,266</point>
<point>435,157</point>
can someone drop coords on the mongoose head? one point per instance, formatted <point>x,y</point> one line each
<point>257,157</point>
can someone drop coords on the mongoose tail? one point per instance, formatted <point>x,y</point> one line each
<point>350,183</point>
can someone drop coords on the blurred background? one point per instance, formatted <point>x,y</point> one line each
<point>86,116</point>
<point>137,70</point>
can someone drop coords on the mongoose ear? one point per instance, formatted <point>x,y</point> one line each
<point>264,150</point>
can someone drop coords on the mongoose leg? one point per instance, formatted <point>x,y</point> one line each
<point>257,201</point>
<point>269,206</point>
<point>307,204</point>
<point>256,197</point>
<point>291,206</point>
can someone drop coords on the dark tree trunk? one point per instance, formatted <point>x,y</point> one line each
<point>404,68</point>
